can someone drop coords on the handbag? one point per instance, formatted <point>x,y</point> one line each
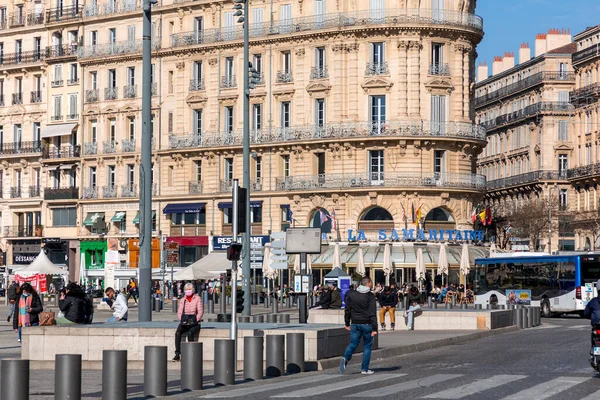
<point>47,318</point>
<point>188,319</point>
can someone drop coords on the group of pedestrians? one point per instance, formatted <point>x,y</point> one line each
<point>329,297</point>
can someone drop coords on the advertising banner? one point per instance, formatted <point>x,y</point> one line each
<point>37,281</point>
<point>519,297</point>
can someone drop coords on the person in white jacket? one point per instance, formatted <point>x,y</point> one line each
<point>119,306</point>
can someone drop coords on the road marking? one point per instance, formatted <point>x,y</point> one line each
<point>332,387</point>
<point>410,385</point>
<point>547,389</point>
<point>593,396</point>
<point>581,327</point>
<point>271,386</point>
<point>475,387</point>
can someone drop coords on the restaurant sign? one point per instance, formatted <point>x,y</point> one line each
<point>419,235</point>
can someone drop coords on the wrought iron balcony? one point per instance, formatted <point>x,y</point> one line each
<point>114,7</point>
<point>441,69</point>
<point>20,148</point>
<point>195,188</point>
<point>35,19</point>
<point>110,93</point>
<point>65,151</point>
<point>129,91</point>
<point>36,97</point>
<point>128,190</point>
<point>368,180</point>
<point>15,192</point>
<point>35,191</point>
<point>584,171</point>
<point>228,82</point>
<point>72,81</point>
<point>115,49</point>
<point>56,118</point>
<point>196,84</point>
<point>72,116</point>
<point>17,98</point>
<point>20,231</point>
<point>109,192</point>
<point>16,20</point>
<point>256,186</point>
<point>61,193</point>
<point>91,10</point>
<point>63,14</point>
<point>128,145</point>
<point>57,83</point>
<point>284,77</point>
<point>65,50</point>
<point>377,69</point>
<point>91,96</point>
<point>153,88</point>
<point>109,147</point>
<point>319,73</point>
<point>586,54</point>
<point>90,149</point>
<point>90,192</point>
<point>180,142</point>
<point>526,179</point>
<point>225,185</point>
<point>582,96</point>
<point>530,111</point>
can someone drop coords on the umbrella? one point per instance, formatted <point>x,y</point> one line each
<point>465,265</point>
<point>420,265</point>
<point>493,249</point>
<point>337,257</point>
<point>82,269</point>
<point>297,264</point>
<point>268,272</point>
<point>42,265</point>
<point>360,264</point>
<point>387,263</point>
<point>442,262</point>
<point>308,264</point>
<point>210,266</point>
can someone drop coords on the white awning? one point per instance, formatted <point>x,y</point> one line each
<point>67,166</point>
<point>58,130</point>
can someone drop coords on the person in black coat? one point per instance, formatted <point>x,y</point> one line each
<point>388,299</point>
<point>28,307</point>
<point>73,305</point>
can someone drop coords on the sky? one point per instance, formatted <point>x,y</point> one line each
<point>508,23</point>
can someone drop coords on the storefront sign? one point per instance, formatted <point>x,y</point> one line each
<point>24,258</point>
<point>221,243</point>
<point>38,281</point>
<point>419,235</point>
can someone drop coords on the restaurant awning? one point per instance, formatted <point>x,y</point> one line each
<point>183,208</point>
<point>92,218</point>
<point>229,204</point>
<point>136,220</point>
<point>119,216</point>
<point>58,130</point>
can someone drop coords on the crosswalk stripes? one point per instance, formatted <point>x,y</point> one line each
<point>270,386</point>
<point>332,387</point>
<point>475,387</point>
<point>593,396</point>
<point>547,389</point>
<point>404,386</point>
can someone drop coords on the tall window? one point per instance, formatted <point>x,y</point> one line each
<point>36,132</point>
<point>112,130</point>
<point>438,115</point>
<point>112,36</point>
<point>376,165</point>
<point>130,175</point>
<point>285,18</point>
<point>198,171</point>
<point>378,113</point>
<point>93,177</point>
<point>112,78</point>
<point>563,163</point>
<point>286,62</point>
<point>229,122</point>
<point>229,69</point>
<point>94,80</point>
<point>320,113</point>
<point>57,108</point>
<point>377,56</point>
<point>439,161</point>
<point>73,113</point>
<point>258,169</point>
<point>131,125</point>
<point>94,131</point>
<point>18,135</point>
<point>320,12</point>
<point>257,21</point>
<point>285,159</point>
<point>111,176</point>
<point>197,122</point>
<point>563,198</point>
<point>257,117</point>
<point>131,76</point>
<point>229,168</point>
<point>377,10</point>
<point>197,73</point>
<point>437,59</point>
<point>131,33</point>
<point>563,130</point>
<point>437,10</point>
<point>73,74</point>
<point>257,63</point>
<point>285,114</point>
<point>320,61</point>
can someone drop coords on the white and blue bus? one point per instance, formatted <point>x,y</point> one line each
<point>557,282</point>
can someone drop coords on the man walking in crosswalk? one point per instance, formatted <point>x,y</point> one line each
<point>360,316</point>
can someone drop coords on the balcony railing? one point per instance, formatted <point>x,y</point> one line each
<point>36,97</point>
<point>57,83</point>
<point>441,69</point>
<point>62,14</point>
<point>584,171</point>
<point>319,73</point>
<point>15,192</point>
<point>525,83</point>
<point>377,69</point>
<point>35,191</point>
<point>195,188</point>
<point>526,178</point>
<point>20,148</point>
<point>153,88</point>
<point>130,91</point>
<point>90,149</point>
<point>196,84</point>
<point>110,93</point>
<point>17,98</point>
<point>128,145</point>
<point>256,186</point>
<point>529,111</point>
<point>582,95</point>
<point>16,21</point>
<point>72,81</point>
<point>72,116</point>
<point>65,151</point>
<point>109,192</point>
<point>109,147</point>
<point>65,50</point>
<point>114,7</point>
<point>61,193</point>
<point>91,96</point>
<point>128,191</point>
<point>225,185</point>
<point>394,17</point>
<point>35,19</point>
<point>457,130</point>
<point>56,118</point>
<point>387,179</point>
<point>20,231</point>
<point>90,192</point>
<point>587,53</point>
<point>284,77</point>
<point>228,82</point>
<point>115,49</point>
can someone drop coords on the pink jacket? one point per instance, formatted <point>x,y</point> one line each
<point>191,307</point>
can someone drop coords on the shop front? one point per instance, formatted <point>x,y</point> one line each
<point>133,246</point>
<point>191,248</point>
<point>25,251</point>
<point>93,254</point>
<point>57,250</point>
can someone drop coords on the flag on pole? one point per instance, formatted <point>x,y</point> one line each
<point>324,216</point>
<point>333,220</point>
<point>488,215</point>
<point>474,214</point>
<point>481,216</point>
<point>290,215</point>
<point>403,212</point>
<point>419,215</point>
<point>412,212</point>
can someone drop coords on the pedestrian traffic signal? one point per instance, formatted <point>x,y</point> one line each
<point>254,76</point>
<point>239,301</point>
<point>241,220</point>
<point>234,252</point>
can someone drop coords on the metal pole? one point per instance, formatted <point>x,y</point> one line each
<point>275,355</point>
<point>253,358</point>
<point>295,352</point>
<point>246,160</point>
<point>224,364</point>
<point>233,328</point>
<point>191,366</point>
<point>155,371</point>
<point>15,380</point>
<point>145,264</point>
<point>549,220</point>
<point>114,374</point>
<point>67,377</point>
<point>302,306</point>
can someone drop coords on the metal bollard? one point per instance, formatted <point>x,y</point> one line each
<point>224,362</point>
<point>174,305</point>
<point>429,302</point>
<point>538,316</point>
<point>67,377</point>
<point>523,313</point>
<point>211,306</point>
<point>157,304</point>
<point>284,318</point>
<point>448,306</point>
<point>155,371</point>
<point>114,374</point>
<point>253,358</point>
<point>15,380</point>
<point>530,317</point>
<point>254,299</point>
<point>244,318</point>
<point>266,302</point>
<point>275,355</point>
<point>288,304</point>
<point>272,318</point>
<point>517,317</point>
<point>191,366</point>
<point>56,299</point>
<point>463,306</point>
<point>258,318</point>
<point>294,350</point>
<point>274,308</point>
<point>435,306</point>
<point>478,306</point>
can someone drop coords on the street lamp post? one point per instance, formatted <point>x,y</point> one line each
<point>550,220</point>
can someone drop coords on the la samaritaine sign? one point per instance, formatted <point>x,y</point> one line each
<point>420,235</point>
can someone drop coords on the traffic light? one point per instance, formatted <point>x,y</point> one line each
<point>241,220</point>
<point>239,301</point>
<point>255,77</point>
<point>239,10</point>
<point>234,251</point>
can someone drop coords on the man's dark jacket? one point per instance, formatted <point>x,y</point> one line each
<point>74,307</point>
<point>389,299</point>
<point>592,311</point>
<point>361,308</point>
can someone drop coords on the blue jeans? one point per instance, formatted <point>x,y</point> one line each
<point>114,319</point>
<point>356,332</point>
<point>21,328</point>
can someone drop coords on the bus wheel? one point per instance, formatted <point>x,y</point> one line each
<point>546,313</point>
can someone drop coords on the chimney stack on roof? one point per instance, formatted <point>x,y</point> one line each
<point>508,61</point>
<point>524,53</point>
<point>482,71</point>
<point>541,44</point>
<point>557,38</point>
<point>498,65</point>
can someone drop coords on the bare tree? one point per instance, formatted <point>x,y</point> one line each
<point>530,220</point>
<point>588,222</point>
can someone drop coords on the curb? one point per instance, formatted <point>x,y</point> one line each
<point>384,353</point>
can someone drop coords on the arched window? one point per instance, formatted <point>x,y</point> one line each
<point>375,218</point>
<point>321,219</point>
<point>439,218</point>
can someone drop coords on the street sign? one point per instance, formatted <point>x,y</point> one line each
<point>172,258</point>
<point>279,258</point>
<point>279,265</point>
<point>256,265</point>
<point>278,244</point>
<point>171,246</point>
<point>278,235</point>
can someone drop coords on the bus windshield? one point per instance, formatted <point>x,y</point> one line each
<point>590,268</point>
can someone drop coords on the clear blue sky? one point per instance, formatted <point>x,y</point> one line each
<point>508,23</point>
